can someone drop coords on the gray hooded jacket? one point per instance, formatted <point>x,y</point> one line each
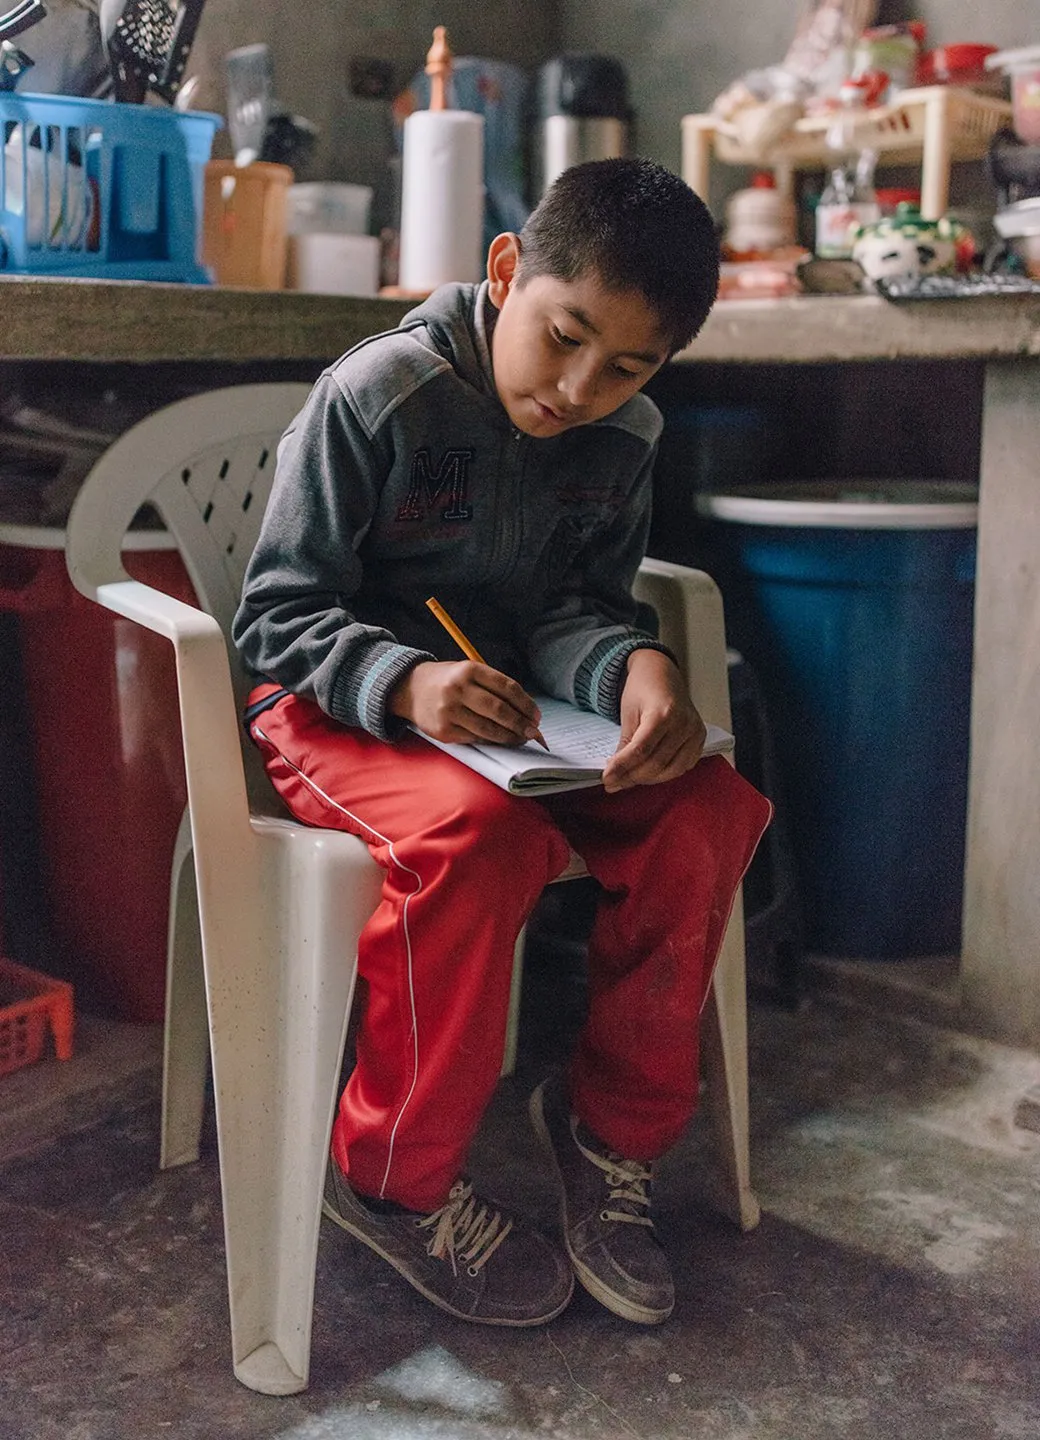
<point>401,478</point>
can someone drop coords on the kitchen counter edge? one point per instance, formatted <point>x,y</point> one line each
<point>53,319</point>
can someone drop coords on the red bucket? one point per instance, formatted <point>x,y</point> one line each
<point>99,698</point>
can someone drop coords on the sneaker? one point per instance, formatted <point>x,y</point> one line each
<point>468,1257</point>
<point>606,1214</point>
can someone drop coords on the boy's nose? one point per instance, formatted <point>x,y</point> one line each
<point>578,385</point>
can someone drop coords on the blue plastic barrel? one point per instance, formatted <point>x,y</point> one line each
<point>853,603</point>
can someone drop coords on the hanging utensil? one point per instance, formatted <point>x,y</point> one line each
<point>250,86</point>
<point>13,65</point>
<point>181,40</point>
<point>109,12</point>
<point>138,45</point>
<point>18,17</point>
<point>153,42</point>
<point>186,94</point>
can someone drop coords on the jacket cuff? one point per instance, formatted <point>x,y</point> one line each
<point>601,675</point>
<point>361,698</point>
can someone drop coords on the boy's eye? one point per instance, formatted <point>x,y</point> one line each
<point>571,342</point>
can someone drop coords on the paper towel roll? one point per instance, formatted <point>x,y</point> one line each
<point>442,199</point>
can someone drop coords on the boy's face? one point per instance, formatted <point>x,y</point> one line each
<point>566,353</point>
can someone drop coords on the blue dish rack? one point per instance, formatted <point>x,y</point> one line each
<point>106,191</point>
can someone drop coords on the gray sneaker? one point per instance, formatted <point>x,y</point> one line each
<point>606,1214</point>
<point>468,1258</point>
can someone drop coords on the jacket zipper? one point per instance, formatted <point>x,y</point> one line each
<point>516,530</point>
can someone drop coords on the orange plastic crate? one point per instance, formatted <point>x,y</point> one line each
<point>29,1003</point>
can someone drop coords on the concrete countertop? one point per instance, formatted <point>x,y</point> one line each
<point>94,320</point>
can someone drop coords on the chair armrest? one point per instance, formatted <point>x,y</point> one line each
<point>689,609</point>
<point>178,621</point>
<point>209,720</point>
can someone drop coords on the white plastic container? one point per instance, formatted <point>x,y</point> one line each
<point>1023,66</point>
<point>760,218</point>
<point>329,207</point>
<point>334,264</point>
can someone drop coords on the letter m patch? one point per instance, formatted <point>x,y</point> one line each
<point>448,486</point>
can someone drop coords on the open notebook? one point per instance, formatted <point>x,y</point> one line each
<point>580,744</point>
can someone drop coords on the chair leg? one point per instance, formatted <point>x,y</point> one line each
<point>186,1033</point>
<point>278,1015</point>
<point>725,1064</point>
<point>513,1022</point>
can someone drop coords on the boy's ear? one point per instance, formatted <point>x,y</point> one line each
<point>502,265</point>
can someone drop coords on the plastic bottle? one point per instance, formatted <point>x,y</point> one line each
<point>759,219</point>
<point>848,200</point>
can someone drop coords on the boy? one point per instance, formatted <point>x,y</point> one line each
<point>494,451</point>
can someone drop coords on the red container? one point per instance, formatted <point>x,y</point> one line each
<point>1,912</point>
<point>31,1004</point>
<point>959,65</point>
<point>99,695</point>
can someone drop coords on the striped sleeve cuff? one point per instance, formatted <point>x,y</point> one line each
<point>361,698</point>
<point>601,675</point>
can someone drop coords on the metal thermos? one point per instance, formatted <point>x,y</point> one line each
<point>582,114</point>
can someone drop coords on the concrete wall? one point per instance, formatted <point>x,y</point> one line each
<point>314,41</point>
<point>680,54</point>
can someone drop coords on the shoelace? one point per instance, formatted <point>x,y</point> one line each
<point>626,1181</point>
<point>466,1229</point>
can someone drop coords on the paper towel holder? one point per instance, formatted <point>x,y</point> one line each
<point>438,67</point>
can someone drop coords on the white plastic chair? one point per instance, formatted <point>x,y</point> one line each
<point>278,906</point>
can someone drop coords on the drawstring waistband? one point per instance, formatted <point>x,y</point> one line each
<point>258,707</point>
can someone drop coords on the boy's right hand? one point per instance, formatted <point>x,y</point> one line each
<point>462,702</point>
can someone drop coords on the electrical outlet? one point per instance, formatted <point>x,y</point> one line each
<point>371,78</point>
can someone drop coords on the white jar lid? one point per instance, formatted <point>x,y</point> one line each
<point>1007,60</point>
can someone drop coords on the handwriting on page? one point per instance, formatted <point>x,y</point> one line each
<point>577,736</point>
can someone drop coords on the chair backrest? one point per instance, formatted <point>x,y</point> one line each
<point>206,465</point>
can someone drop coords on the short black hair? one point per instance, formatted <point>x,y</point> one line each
<point>636,226</point>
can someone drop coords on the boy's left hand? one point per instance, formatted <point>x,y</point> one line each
<point>662,736</point>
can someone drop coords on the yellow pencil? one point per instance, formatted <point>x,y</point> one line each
<point>470,651</point>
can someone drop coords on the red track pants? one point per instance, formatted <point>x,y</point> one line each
<point>465,863</point>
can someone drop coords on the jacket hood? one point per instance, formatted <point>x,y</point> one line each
<point>455,318</point>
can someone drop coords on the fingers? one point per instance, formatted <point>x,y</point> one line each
<point>653,756</point>
<point>498,708</point>
<point>512,699</point>
<point>470,725</point>
<point>480,703</point>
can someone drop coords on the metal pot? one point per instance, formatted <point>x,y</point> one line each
<point>581,113</point>
<point>565,140</point>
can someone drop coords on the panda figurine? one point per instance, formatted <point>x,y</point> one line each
<point>905,246</point>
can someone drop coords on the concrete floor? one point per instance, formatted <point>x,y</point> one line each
<point>890,1291</point>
